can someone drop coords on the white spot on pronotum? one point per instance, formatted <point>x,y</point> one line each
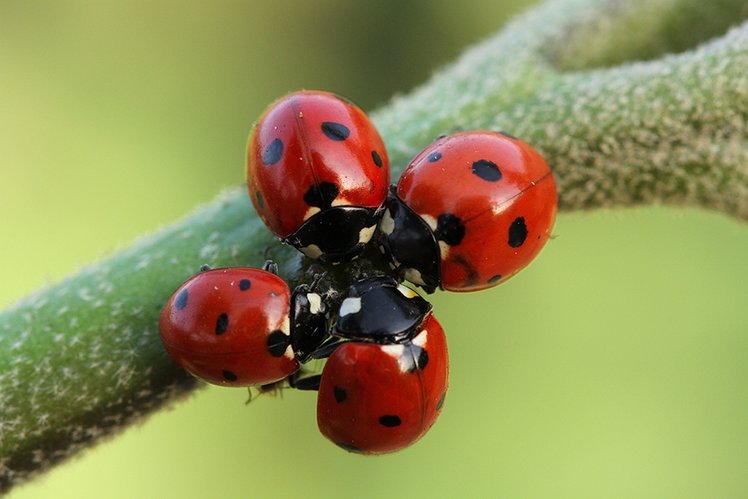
<point>414,276</point>
<point>286,326</point>
<point>395,350</point>
<point>406,291</point>
<point>340,201</point>
<point>387,224</point>
<point>364,235</point>
<point>289,352</point>
<point>420,339</point>
<point>443,250</point>
<point>431,221</point>
<point>350,306</point>
<point>312,251</point>
<point>315,303</point>
<point>313,210</point>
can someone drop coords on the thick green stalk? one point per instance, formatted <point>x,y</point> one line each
<point>81,359</point>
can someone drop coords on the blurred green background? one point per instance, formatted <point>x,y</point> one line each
<point>615,366</point>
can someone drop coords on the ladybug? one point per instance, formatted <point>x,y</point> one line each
<point>470,211</point>
<point>384,383</point>
<point>242,326</point>
<point>317,174</point>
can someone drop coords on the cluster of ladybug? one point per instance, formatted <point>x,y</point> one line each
<point>469,211</point>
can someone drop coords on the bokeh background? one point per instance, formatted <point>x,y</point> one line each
<point>615,366</point>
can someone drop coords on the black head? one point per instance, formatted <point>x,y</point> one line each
<point>380,310</point>
<point>409,244</point>
<point>309,320</point>
<point>336,234</point>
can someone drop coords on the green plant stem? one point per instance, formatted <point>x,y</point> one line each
<point>82,359</point>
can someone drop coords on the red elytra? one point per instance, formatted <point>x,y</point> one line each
<point>490,200</point>
<point>376,398</point>
<point>231,327</point>
<point>310,152</point>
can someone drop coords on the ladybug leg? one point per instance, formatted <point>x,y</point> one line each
<point>270,266</point>
<point>310,383</point>
<point>205,267</point>
<point>315,282</point>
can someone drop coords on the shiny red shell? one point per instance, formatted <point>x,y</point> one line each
<point>309,151</point>
<point>371,402</point>
<point>493,195</point>
<point>231,327</point>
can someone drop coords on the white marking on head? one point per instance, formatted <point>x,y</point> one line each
<point>431,221</point>
<point>315,303</point>
<point>406,291</point>
<point>414,276</point>
<point>313,210</point>
<point>350,306</point>
<point>312,251</point>
<point>387,224</point>
<point>364,235</point>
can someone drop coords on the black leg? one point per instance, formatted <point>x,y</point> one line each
<point>270,266</point>
<point>310,383</point>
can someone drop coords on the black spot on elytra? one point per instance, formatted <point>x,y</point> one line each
<point>423,359</point>
<point>335,131</point>
<point>494,279</point>
<point>509,135</point>
<point>348,447</point>
<point>245,284</point>
<point>517,232</point>
<point>440,403</point>
<point>260,200</point>
<point>273,152</point>
<point>449,228</point>
<point>377,158</point>
<point>434,157</point>
<point>277,343</point>
<point>321,195</point>
<point>222,324</point>
<point>487,170</point>
<point>229,376</point>
<point>181,300</point>
<point>390,421</point>
<point>418,358</point>
<point>340,394</point>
